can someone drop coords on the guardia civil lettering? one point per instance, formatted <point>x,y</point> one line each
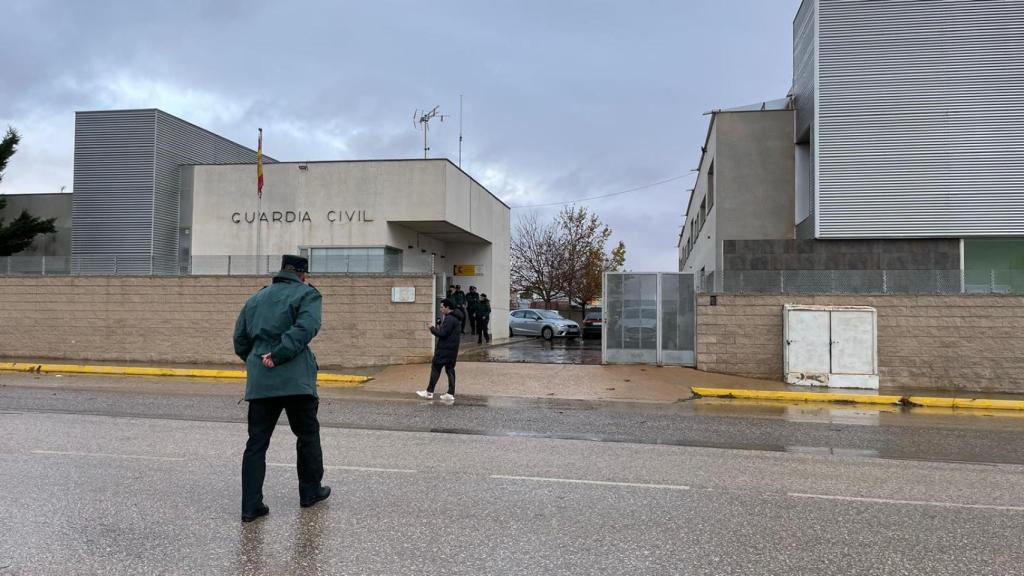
<point>301,216</point>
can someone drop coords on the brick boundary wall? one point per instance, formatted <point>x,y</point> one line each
<point>191,319</point>
<point>967,342</point>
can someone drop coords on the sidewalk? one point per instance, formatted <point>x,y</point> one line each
<point>611,383</point>
<point>632,383</point>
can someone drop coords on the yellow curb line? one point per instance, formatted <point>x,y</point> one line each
<point>795,396</point>
<point>929,401</point>
<point>328,380</point>
<point>980,403</point>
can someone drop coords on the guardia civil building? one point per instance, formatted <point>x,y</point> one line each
<point>155,194</point>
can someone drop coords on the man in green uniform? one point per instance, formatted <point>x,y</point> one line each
<point>272,337</point>
<point>483,318</point>
<point>472,302</point>
<point>459,299</point>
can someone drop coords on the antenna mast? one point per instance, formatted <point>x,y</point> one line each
<point>460,130</point>
<point>423,118</point>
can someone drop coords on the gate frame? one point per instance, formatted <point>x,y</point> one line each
<point>659,353</point>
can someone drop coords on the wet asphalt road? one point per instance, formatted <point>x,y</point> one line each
<point>540,351</point>
<point>116,482</point>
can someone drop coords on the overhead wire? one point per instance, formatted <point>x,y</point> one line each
<point>637,189</point>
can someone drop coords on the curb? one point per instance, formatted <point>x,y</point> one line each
<point>327,380</point>
<point>911,401</point>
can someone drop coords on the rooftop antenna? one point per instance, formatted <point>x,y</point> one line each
<point>423,118</point>
<point>460,130</point>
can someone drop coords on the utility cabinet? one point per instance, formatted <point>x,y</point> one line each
<point>834,346</point>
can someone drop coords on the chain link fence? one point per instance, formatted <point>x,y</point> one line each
<point>227,265</point>
<point>865,282</point>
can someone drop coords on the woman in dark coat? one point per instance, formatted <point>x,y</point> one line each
<point>446,352</point>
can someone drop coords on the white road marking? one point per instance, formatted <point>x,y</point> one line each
<point>101,455</point>
<point>597,482</point>
<point>908,502</point>
<point>357,468</point>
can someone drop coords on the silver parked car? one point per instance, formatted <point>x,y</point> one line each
<point>546,323</point>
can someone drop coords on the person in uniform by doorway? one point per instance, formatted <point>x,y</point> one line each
<point>459,299</point>
<point>472,301</point>
<point>483,319</point>
<point>272,336</point>
<point>446,352</point>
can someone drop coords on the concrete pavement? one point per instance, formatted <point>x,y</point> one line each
<point>87,494</point>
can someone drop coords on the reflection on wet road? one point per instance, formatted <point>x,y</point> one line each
<point>540,351</point>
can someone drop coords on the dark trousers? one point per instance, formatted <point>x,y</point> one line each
<point>435,374</point>
<point>263,416</point>
<point>462,326</point>
<point>481,329</point>
<point>473,321</point>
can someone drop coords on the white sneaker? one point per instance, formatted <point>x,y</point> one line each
<point>425,394</point>
<point>448,399</point>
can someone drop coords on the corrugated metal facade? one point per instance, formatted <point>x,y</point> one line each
<point>919,118</point>
<point>112,205</point>
<point>126,200</point>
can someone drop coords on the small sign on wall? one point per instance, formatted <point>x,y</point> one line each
<point>403,294</point>
<point>468,270</point>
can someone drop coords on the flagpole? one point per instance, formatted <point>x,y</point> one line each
<point>259,198</point>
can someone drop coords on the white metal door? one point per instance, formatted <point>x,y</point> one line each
<point>807,341</point>
<point>853,342</point>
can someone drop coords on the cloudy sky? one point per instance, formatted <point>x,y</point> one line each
<point>562,99</point>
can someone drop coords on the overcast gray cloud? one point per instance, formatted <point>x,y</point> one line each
<point>563,100</point>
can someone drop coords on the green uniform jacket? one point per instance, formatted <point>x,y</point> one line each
<point>472,302</point>
<point>483,308</point>
<point>281,319</point>
<point>459,298</point>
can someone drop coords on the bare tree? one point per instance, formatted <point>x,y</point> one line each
<point>583,240</point>
<point>599,263</point>
<point>536,258</point>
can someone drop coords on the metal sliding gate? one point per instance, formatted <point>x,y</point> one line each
<point>649,318</point>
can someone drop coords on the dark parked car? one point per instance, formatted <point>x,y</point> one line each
<point>592,324</point>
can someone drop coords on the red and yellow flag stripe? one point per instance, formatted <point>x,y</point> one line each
<point>259,166</point>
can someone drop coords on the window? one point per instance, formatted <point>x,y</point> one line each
<point>703,212</point>
<point>711,185</point>
<point>519,314</point>
<point>381,260</point>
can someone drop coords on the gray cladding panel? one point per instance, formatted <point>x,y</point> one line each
<point>804,45</point>
<point>112,203</point>
<point>921,118</point>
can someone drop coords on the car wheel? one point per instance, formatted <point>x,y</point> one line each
<point>547,333</point>
<point>511,334</point>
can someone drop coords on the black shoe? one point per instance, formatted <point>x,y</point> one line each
<point>322,494</point>
<point>263,510</point>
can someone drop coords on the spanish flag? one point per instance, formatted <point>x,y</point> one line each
<point>259,167</point>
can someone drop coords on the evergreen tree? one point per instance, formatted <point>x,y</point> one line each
<point>19,234</point>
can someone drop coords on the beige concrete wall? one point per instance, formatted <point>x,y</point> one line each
<point>971,343</point>
<point>375,192</point>
<point>755,175</point>
<point>191,319</point>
